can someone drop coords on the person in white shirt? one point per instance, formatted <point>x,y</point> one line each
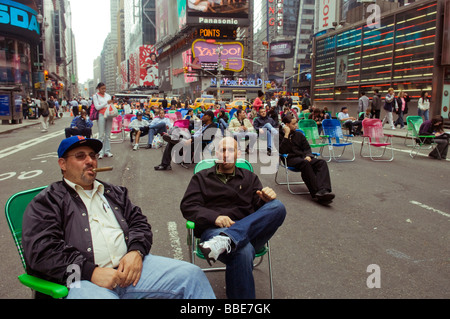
<point>139,127</point>
<point>127,108</point>
<point>424,105</point>
<point>161,124</point>
<point>101,102</point>
<point>349,121</point>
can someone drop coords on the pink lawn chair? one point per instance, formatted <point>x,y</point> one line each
<point>117,130</point>
<point>374,137</point>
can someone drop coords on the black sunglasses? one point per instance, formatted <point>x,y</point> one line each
<point>81,156</point>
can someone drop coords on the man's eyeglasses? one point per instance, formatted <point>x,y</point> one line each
<point>81,156</point>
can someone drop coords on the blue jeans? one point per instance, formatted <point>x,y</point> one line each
<point>155,129</point>
<point>248,235</point>
<point>222,125</point>
<point>161,278</point>
<point>270,132</point>
<point>104,132</point>
<point>423,113</point>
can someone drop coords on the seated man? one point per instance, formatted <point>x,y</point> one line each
<point>83,228</point>
<point>81,125</point>
<point>349,121</point>
<point>241,127</point>
<point>139,128</point>
<point>234,217</point>
<point>314,171</point>
<point>160,125</point>
<point>264,123</point>
<point>202,137</point>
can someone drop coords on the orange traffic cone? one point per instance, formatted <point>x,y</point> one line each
<point>71,113</point>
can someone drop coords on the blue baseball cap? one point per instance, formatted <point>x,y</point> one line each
<point>77,141</point>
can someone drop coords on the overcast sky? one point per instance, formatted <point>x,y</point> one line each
<point>91,25</point>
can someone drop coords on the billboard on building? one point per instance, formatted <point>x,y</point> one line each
<point>218,12</point>
<point>181,14</point>
<point>19,18</point>
<point>327,14</point>
<point>143,68</point>
<point>205,54</point>
<point>162,22</point>
<point>148,66</point>
<point>282,49</point>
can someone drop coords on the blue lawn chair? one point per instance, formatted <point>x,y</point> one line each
<point>332,128</point>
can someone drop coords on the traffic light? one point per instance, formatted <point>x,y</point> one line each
<point>45,75</point>
<point>186,69</point>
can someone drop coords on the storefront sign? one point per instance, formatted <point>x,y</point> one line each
<point>18,19</point>
<point>240,82</point>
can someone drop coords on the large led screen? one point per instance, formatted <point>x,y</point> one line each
<point>218,12</point>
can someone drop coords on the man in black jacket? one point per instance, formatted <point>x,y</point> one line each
<point>188,147</point>
<point>234,217</point>
<point>88,235</point>
<point>314,171</point>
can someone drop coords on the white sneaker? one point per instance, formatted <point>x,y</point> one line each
<point>214,247</point>
<point>100,156</point>
<point>135,147</point>
<point>108,154</point>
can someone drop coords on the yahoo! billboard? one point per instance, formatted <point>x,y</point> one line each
<point>206,54</point>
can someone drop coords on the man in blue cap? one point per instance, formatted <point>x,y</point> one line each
<point>92,227</point>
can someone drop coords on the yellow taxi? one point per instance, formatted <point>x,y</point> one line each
<point>156,101</point>
<point>296,106</point>
<point>208,102</point>
<point>237,103</point>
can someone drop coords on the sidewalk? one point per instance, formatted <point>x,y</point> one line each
<point>7,128</point>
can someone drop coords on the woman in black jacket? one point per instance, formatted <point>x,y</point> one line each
<point>402,108</point>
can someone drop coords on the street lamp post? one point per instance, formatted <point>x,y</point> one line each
<point>219,70</point>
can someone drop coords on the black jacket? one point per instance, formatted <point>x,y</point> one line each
<point>56,231</point>
<point>207,198</point>
<point>259,122</point>
<point>296,145</point>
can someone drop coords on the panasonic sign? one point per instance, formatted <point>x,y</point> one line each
<point>19,19</point>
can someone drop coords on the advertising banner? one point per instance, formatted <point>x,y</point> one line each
<point>218,12</point>
<point>282,49</point>
<point>148,66</point>
<point>205,54</point>
<point>341,69</point>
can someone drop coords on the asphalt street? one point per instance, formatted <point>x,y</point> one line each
<point>386,234</point>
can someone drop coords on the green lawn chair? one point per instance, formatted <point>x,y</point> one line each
<point>14,210</point>
<point>311,132</point>
<point>419,141</point>
<point>192,241</point>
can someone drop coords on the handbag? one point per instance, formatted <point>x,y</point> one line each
<point>93,116</point>
<point>111,111</point>
<point>157,141</point>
